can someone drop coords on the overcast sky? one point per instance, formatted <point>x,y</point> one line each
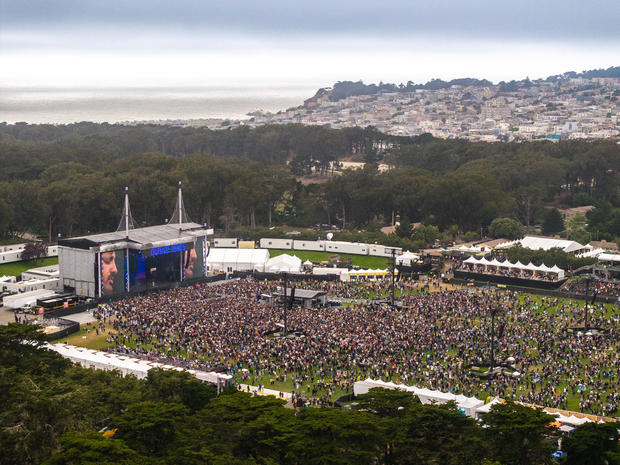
<point>287,42</point>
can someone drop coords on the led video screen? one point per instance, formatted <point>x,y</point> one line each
<point>113,272</point>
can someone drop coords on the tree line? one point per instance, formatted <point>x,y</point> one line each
<point>57,413</point>
<point>69,179</point>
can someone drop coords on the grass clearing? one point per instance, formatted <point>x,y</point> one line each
<point>17,268</point>
<point>363,261</point>
<point>87,337</point>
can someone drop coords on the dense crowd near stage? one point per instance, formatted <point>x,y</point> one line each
<point>432,340</point>
<point>604,287</point>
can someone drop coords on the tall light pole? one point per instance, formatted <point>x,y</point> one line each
<point>393,252</point>
<point>287,303</point>
<point>494,311</point>
<point>393,273</point>
<point>585,324</point>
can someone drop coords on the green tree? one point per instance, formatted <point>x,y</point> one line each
<point>386,402</point>
<point>593,444</point>
<point>554,223</point>
<point>93,449</point>
<point>437,434</point>
<point>150,427</point>
<point>328,436</point>
<point>517,434</point>
<point>404,228</point>
<point>428,234</point>
<point>34,251</point>
<point>179,387</point>
<point>506,227</point>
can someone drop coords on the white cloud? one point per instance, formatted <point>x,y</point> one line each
<point>241,60</point>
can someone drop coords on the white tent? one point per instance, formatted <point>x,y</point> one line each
<point>283,263</point>
<point>229,260</point>
<point>559,271</point>
<point>486,408</point>
<point>544,268</point>
<point>609,257</point>
<point>518,266</point>
<point>126,365</point>
<point>544,243</point>
<point>407,258</point>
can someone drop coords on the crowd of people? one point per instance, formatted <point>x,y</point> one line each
<point>364,289</point>
<point>432,341</point>
<point>605,287</point>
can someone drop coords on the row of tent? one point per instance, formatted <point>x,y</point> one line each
<point>472,406</point>
<point>516,266</point>
<point>127,365</point>
<point>467,405</point>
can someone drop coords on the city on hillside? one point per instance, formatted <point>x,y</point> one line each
<point>570,108</point>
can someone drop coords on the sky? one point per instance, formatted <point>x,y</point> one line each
<point>158,43</point>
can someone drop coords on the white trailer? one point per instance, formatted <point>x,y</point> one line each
<point>13,253</point>
<point>26,298</point>
<point>33,285</point>
<point>268,243</point>
<point>225,242</point>
<point>377,250</point>
<point>317,246</point>
<point>11,256</point>
<point>354,248</point>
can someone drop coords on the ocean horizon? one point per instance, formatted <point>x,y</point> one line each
<point>64,105</point>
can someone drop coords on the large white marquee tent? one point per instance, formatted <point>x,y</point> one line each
<point>515,266</point>
<point>230,260</point>
<point>544,243</point>
<point>283,264</point>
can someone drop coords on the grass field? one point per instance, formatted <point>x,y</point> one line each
<point>87,337</point>
<point>362,261</point>
<point>17,268</point>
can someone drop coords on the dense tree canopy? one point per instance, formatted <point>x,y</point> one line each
<point>70,179</point>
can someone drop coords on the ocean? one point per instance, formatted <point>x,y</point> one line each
<point>114,105</point>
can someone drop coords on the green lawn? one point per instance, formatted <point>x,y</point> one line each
<point>87,337</point>
<point>363,261</point>
<point>17,268</point>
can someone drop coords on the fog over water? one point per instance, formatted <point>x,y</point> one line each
<point>65,105</point>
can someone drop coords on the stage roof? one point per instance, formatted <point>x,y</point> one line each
<point>165,234</point>
<point>302,293</point>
